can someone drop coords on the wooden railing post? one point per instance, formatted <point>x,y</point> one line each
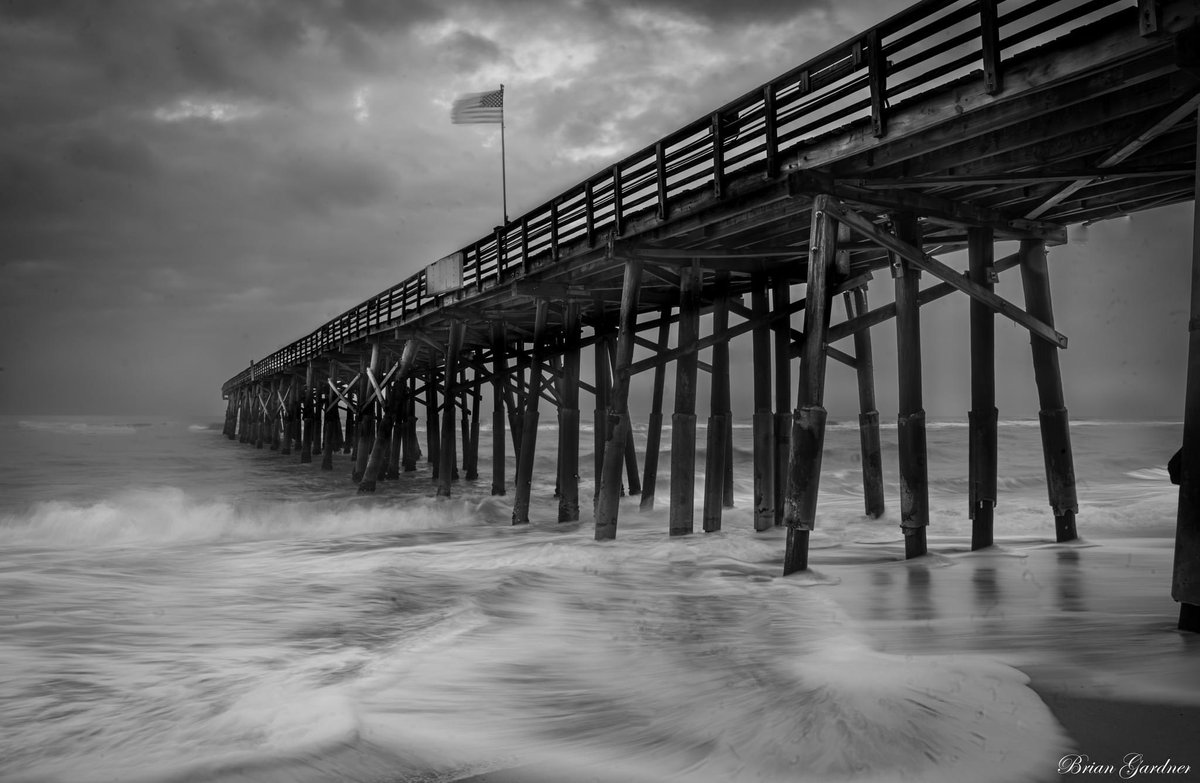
<point>877,79</point>
<point>989,31</point>
<point>718,156</point>
<point>770,131</point>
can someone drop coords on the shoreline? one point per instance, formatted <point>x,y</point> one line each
<point>1107,729</point>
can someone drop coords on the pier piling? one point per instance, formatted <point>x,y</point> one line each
<point>683,421</point>
<point>764,419</point>
<point>499,379</point>
<point>618,424</point>
<point>718,419</point>
<point>527,455</point>
<point>983,415</point>
<point>1056,434</point>
<point>914,478</point>
<point>568,421</point>
<point>870,449</point>
<point>447,456</point>
<point>781,295</point>
<point>808,420</point>
<point>654,423</point>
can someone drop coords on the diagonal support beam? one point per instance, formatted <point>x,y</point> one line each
<point>887,312</point>
<point>945,273</point>
<point>1177,114</point>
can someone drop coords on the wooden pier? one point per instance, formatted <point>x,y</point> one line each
<point>952,126</point>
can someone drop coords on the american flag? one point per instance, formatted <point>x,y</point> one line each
<point>478,107</point>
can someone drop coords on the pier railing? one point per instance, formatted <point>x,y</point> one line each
<point>927,46</point>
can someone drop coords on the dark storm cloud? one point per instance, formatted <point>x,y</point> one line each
<point>100,151</point>
<point>465,52</point>
<point>742,12</point>
<point>321,182</point>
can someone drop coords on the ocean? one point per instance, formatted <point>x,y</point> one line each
<point>178,606</point>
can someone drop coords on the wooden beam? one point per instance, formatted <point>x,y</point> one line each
<point>887,312</point>
<point>619,430</point>
<point>1182,110</point>
<point>930,264</point>
<point>1094,174</point>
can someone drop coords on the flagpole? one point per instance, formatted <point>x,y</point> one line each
<point>503,173</point>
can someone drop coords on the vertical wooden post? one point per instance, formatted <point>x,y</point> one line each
<point>868,417</point>
<point>366,416</point>
<point>412,448</point>
<point>318,398</point>
<point>782,299</point>
<point>309,415</point>
<point>464,412</point>
<point>432,428</point>
<point>499,379</point>
<point>600,417</point>
<point>260,417</point>
<point>350,439</point>
<point>654,425</point>
<point>398,390</point>
<point>516,404</point>
<point>983,415</point>
<point>1185,580</point>
<point>683,421</point>
<point>471,458</point>
<point>808,421</point>
<point>718,431</point>
<point>1056,432</point>
<point>764,419</point>
<point>631,468</point>
<point>727,483</point>
<point>285,441</point>
<point>273,414</point>
<point>529,424</point>
<point>331,422</point>
<point>568,422</point>
<point>914,472</point>
<point>447,455</point>
<point>618,428</point>
<point>382,446</point>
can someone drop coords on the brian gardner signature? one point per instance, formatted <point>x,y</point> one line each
<point>1131,766</point>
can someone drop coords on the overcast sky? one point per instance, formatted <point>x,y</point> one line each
<point>187,186</point>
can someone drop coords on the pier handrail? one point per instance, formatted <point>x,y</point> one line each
<point>928,45</point>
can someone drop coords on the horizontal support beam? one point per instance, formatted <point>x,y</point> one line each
<point>1030,178</point>
<point>943,209</point>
